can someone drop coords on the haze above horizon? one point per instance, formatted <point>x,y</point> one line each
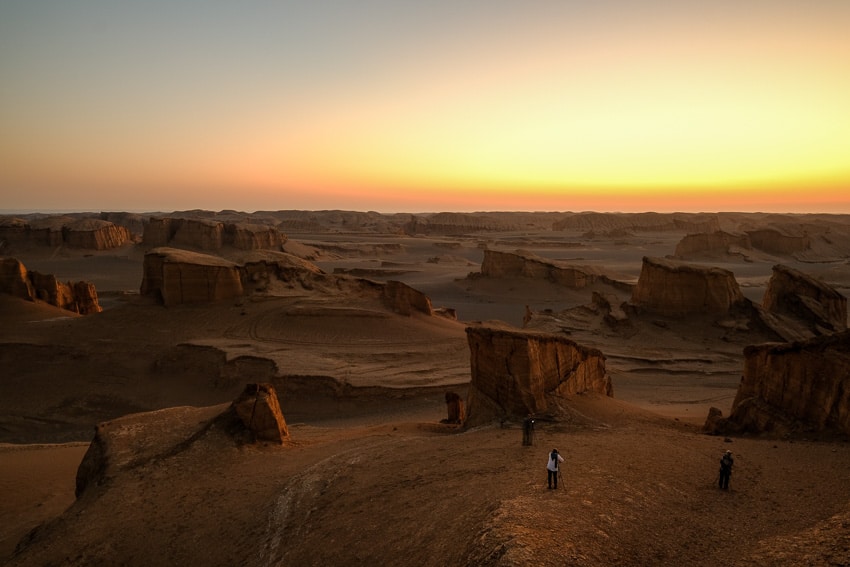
<point>399,106</point>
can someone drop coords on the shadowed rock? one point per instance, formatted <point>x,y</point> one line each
<point>259,410</point>
<point>526,264</point>
<point>79,297</point>
<point>797,295</point>
<point>455,407</point>
<point>519,373</point>
<point>86,233</point>
<point>178,276</point>
<point>209,234</point>
<point>673,288</point>
<point>789,387</point>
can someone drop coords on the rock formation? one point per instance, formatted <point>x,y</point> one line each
<point>405,300</point>
<point>718,244</point>
<point>179,276</point>
<point>132,440</point>
<point>519,373</point>
<point>85,233</point>
<point>259,410</point>
<point>779,240</point>
<point>79,297</point>
<point>210,234</point>
<point>791,293</point>
<point>525,264</point>
<point>673,288</point>
<point>638,222</point>
<point>455,407</point>
<point>792,387</point>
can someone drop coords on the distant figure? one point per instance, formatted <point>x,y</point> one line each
<point>528,431</point>
<point>555,459</point>
<point>726,462</point>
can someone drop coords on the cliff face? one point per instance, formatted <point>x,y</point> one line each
<point>212,235</point>
<point>800,386</point>
<point>79,297</point>
<point>639,222</point>
<point>792,293</point>
<point>673,288</point>
<point>178,276</point>
<point>776,241</point>
<point>89,234</point>
<point>711,244</point>
<point>516,374</point>
<point>498,264</point>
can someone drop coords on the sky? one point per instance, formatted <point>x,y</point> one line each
<point>412,106</point>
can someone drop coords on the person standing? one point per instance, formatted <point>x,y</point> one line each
<point>726,462</point>
<point>555,459</point>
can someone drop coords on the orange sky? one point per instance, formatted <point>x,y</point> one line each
<point>394,106</point>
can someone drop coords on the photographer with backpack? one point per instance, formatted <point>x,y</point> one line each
<point>555,459</point>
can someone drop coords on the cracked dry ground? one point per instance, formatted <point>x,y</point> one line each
<point>637,490</point>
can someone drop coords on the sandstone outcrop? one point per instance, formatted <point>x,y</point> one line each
<point>179,276</point>
<point>517,373</point>
<point>132,440</point>
<point>85,233</point>
<point>638,222</point>
<point>719,244</point>
<point>779,240</point>
<point>259,410</point>
<point>792,293</point>
<point>674,288</point>
<point>79,297</point>
<point>525,264</point>
<point>792,387</point>
<point>405,300</point>
<point>455,407</point>
<point>210,234</point>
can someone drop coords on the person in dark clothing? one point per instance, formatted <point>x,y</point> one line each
<point>726,462</point>
<point>552,468</point>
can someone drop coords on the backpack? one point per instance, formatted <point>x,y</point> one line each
<point>554,456</point>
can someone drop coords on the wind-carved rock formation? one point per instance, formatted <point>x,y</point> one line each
<point>135,440</point>
<point>79,297</point>
<point>673,288</point>
<point>792,294</point>
<point>525,264</point>
<point>791,387</point>
<point>455,407</point>
<point>86,233</point>
<point>405,300</point>
<point>457,223</point>
<point>639,222</point>
<point>174,276</point>
<point>780,240</point>
<point>209,234</point>
<point>179,276</point>
<point>718,244</point>
<point>259,410</point>
<point>519,373</point>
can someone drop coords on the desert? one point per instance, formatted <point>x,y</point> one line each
<point>402,357</point>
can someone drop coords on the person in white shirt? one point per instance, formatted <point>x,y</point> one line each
<point>555,459</point>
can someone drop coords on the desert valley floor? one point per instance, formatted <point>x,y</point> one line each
<point>371,474</point>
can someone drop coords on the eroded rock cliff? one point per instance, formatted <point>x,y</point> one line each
<point>86,233</point>
<point>792,293</point>
<point>210,234</point>
<point>498,264</point>
<point>79,297</point>
<point>792,387</point>
<point>178,276</point>
<point>674,288</point>
<point>518,373</point>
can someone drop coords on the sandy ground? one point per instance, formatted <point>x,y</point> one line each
<point>371,476</point>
